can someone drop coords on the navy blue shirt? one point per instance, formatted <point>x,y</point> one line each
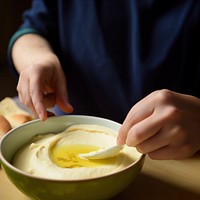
<point>114,53</point>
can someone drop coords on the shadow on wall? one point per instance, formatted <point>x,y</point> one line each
<point>10,18</point>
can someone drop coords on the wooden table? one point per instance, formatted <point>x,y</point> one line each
<point>159,180</point>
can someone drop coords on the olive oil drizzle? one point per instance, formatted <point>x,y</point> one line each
<point>67,156</point>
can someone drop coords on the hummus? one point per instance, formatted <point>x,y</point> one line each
<point>56,155</point>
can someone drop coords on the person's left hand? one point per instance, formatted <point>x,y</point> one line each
<point>164,125</point>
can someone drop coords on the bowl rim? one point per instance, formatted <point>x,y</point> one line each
<point>3,161</point>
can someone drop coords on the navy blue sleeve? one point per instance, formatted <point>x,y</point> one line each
<point>42,17</point>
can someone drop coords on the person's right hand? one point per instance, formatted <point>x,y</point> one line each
<point>43,85</point>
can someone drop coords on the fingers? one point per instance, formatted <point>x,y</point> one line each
<point>163,125</point>
<point>164,153</point>
<point>39,105</point>
<point>170,153</point>
<point>30,92</point>
<point>143,127</point>
<point>157,141</point>
<point>42,87</point>
<point>139,112</point>
<point>23,93</point>
<point>143,130</point>
<point>62,98</point>
<point>63,104</point>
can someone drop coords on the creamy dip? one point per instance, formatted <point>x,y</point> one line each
<point>56,155</point>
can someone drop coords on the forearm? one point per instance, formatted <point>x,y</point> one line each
<point>30,49</point>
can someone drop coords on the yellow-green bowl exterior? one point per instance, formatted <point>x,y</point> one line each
<point>46,189</point>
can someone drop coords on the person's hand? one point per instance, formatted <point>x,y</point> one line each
<point>164,125</point>
<point>42,85</point>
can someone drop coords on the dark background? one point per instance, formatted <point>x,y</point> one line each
<point>10,18</point>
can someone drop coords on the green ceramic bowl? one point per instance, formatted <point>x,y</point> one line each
<point>104,187</point>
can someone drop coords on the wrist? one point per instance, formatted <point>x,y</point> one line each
<point>31,49</point>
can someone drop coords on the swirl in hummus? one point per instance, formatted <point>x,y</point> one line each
<point>56,155</point>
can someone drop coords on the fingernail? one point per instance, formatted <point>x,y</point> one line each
<point>119,141</point>
<point>70,107</point>
<point>42,116</point>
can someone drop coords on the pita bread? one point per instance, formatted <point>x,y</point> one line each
<point>11,115</point>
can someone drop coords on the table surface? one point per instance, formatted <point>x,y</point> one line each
<point>168,179</point>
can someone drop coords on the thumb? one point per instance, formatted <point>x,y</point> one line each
<point>64,104</point>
